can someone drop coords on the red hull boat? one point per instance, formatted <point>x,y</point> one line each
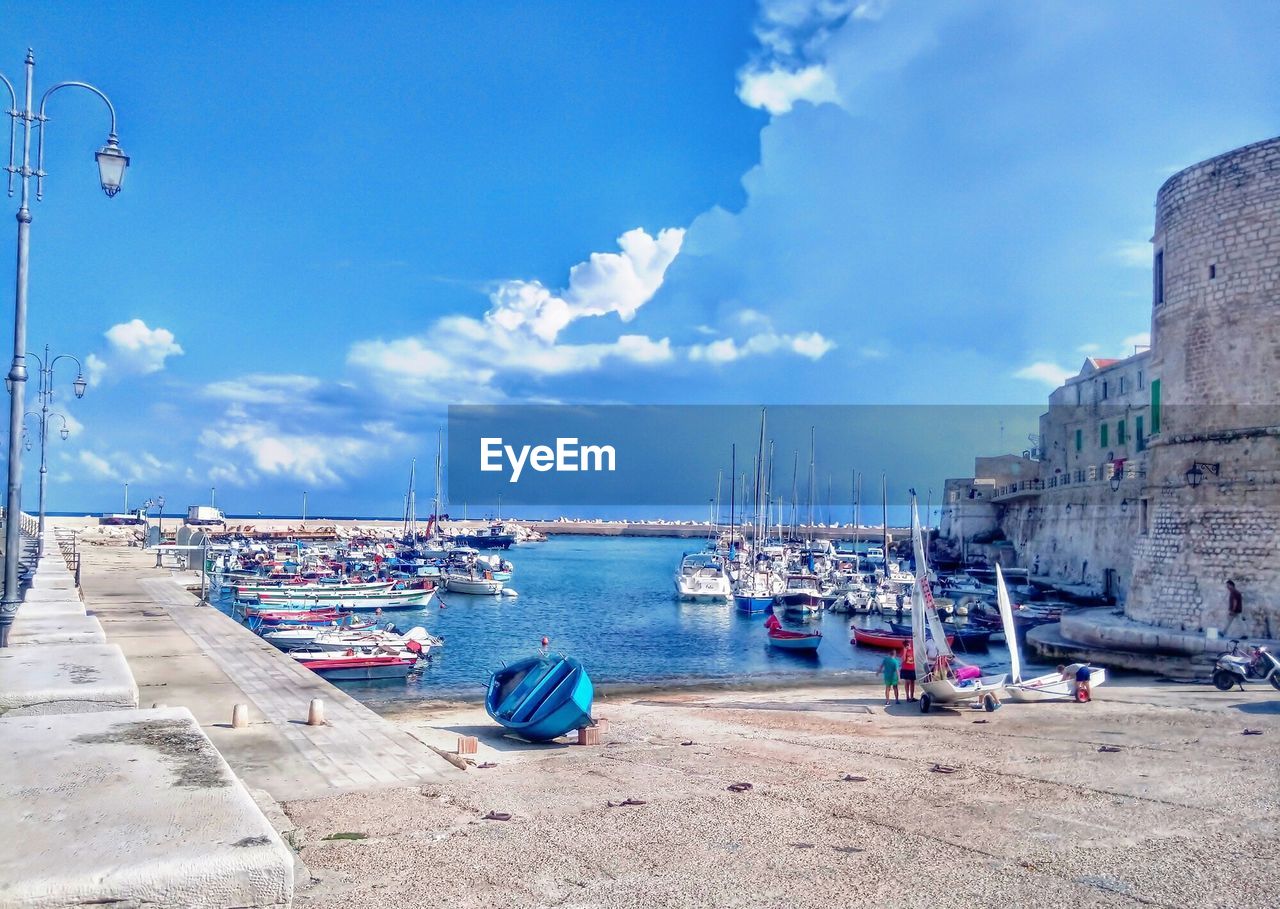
<point>885,640</point>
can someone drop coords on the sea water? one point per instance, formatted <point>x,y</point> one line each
<point>611,602</point>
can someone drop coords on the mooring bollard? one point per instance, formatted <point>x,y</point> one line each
<point>239,716</point>
<point>315,712</point>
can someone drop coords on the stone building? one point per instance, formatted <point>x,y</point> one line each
<point>1158,475</point>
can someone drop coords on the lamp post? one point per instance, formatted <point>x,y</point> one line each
<point>46,395</point>
<point>111,167</point>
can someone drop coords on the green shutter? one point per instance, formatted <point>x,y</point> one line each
<point>1102,435</point>
<point>1155,406</point>
<point>1120,433</point>
<point>1079,439</point>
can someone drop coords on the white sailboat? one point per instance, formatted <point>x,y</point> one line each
<point>943,681</point>
<point>1052,686</point>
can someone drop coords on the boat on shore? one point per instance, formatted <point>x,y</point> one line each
<point>541,697</point>
<point>1052,686</point>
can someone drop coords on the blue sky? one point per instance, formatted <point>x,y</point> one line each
<point>337,222</point>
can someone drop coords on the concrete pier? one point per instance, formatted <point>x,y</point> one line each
<point>130,808</point>
<point>185,653</point>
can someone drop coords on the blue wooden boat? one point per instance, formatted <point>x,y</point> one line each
<point>751,605</point>
<point>541,698</point>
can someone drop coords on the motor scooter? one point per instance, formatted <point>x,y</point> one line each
<point>1235,668</point>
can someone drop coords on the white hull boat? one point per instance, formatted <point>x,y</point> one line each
<point>1052,686</point>
<point>702,580</point>
<point>473,586</point>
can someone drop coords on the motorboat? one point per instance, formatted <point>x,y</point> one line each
<point>473,583</point>
<point>802,594</point>
<point>702,579</point>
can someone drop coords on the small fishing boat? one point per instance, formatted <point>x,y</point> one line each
<point>390,599</point>
<point>483,585</point>
<point>338,668</point>
<point>541,697</point>
<point>784,639</point>
<point>882,638</point>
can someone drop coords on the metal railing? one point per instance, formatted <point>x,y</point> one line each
<point>67,545</point>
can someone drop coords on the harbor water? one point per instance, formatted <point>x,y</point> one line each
<point>610,601</point>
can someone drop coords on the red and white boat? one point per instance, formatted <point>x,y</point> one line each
<point>791,640</point>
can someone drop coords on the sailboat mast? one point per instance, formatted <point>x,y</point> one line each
<point>733,494</point>
<point>884,528</point>
<point>809,534</point>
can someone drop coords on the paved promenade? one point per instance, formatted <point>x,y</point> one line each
<point>182,653</point>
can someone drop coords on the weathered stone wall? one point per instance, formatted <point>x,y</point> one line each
<point>1216,353</point>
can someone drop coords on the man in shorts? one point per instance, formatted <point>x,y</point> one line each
<point>909,671</point>
<point>889,668</point>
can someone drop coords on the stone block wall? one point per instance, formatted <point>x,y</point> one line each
<point>1216,352</point>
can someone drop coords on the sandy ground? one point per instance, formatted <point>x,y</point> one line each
<point>1183,814</point>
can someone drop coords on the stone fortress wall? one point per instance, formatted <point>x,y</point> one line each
<point>1216,355</point>
<point>1119,505</point>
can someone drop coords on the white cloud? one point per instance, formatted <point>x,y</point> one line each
<point>133,348</point>
<point>777,89</point>
<point>1141,339</point>
<point>1048,373</point>
<point>461,358</point>
<point>726,350</point>
<point>1134,253</point>
<point>122,467</point>
<point>263,388</point>
<point>244,449</point>
<point>1089,349</point>
<point>872,353</point>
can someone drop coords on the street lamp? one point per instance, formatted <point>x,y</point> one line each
<point>1195,476</point>
<point>45,391</point>
<point>112,163</point>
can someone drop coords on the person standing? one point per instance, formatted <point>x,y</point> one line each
<point>889,669</point>
<point>1235,607</point>
<point>909,671</point>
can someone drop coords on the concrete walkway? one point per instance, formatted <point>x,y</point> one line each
<point>185,654</point>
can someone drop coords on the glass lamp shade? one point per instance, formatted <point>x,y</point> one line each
<point>80,385</point>
<point>112,163</point>
<point>65,433</point>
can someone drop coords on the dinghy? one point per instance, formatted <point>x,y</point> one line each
<point>541,697</point>
<point>943,681</point>
<point>803,641</point>
<point>1052,686</point>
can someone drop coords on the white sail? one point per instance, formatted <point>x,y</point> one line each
<point>1006,619</point>
<point>925,625</point>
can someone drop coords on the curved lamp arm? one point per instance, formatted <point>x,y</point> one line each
<point>13,127</point>
<point>41,118</point>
